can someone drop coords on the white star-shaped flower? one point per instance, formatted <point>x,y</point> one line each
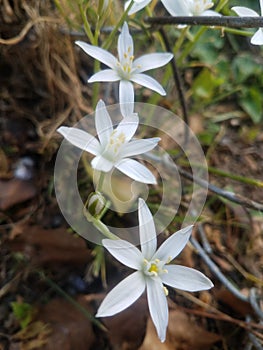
<point>126,69</point>
<point>178,7</point>
<point>114,146</point>
<point>257,38</point>
<point>152,271</point>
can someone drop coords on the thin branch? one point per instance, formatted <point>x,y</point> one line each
<point>231,196</point>
<point>179,85</point>
<point>216,271</point>
<point>219,21</point>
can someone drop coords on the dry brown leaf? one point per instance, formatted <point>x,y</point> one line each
<point>52,246</point>
<point>127,329</point>
<point>243,308</point>
<point>70,328</point>
<point>15,191</point>
<point>182,334</point>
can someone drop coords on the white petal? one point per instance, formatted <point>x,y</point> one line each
<point>185,278</point>
<point>98,53</point>
<point>123,295</point>
<point>126,96</point>
<point>149,82</point>
<point>137,6</point>
<point>103,123</point>
<point>244,11</point>
<point>257,38</point>
<point>125,252</point>
<point>158,306</point>
<point>102,164</point>
<point>128,126</point>
<point>147,230</point>
<point>139,146</point>
<point>261,7</point>
<point>80,139</point>
<point>125,43</point>
<point>104,75</point>
<point>211,13</point>
<point>172,246</point>
<point>151,61</point>
<point>135,171</point>
<point>176,7</point>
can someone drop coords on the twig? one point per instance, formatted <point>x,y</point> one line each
<point>231,196</point>
<point>254,303</point>
<point>26,29</point>
<point>220,21</point>
<point>179,85</point>
<point>215,270</point>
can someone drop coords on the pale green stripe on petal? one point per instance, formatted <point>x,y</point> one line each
<point>123,295</point>
<point>80,139</point>
<point>147,230</point>
<point>185,278</point>
<point>125,252</point>
<point>158,306</point>
<point>173,246</point>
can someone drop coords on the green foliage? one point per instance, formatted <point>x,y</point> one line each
<point>23,313</point>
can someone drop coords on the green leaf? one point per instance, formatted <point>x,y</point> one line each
<point>23,313</point>
<point>251,102</point>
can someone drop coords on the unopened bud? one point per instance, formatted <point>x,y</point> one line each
<point>96,204</point>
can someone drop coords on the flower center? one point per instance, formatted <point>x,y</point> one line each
<point>115,144</point>
<point>125,66</point>
<point>197,7</point>
<point>153,268</point>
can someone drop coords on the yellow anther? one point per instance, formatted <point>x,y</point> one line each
<point>166,292</point>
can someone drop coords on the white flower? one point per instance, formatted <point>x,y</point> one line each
<point>152,271</point>
<point>257,38</point>
<point>126,69</point>
<point>189,7</point>
<point>114,146</point>
<point>179,7</point>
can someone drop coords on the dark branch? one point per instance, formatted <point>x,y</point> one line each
<point>220,21</point>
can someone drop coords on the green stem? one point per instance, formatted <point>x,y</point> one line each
<point>223,173</point>
<point>201,31</point>
<point>103,229</point>
<point>112,35</point>
<point>100,184</point>
<point>85,22</point>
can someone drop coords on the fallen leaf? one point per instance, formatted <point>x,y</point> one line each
<point>52,246</point>
<point>127,329</point>
<point>182,334</point>
<point>15,191</point>
<point>71,329</point>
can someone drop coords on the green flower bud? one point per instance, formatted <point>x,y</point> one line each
<point>96,204</point>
